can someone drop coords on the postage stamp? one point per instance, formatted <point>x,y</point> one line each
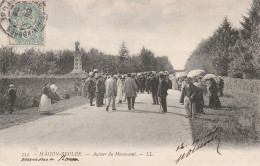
<point>24,22</point>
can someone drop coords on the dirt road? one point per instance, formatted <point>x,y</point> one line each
<point>93,126</point>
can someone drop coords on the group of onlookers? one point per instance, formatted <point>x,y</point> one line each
<point>106,88</point>
<point>125,88</point>
<point>193,90</point>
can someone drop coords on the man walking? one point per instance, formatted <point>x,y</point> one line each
<point>91,88</point>
<point>154,83</point>
<point>111,92</point>
<point>162,92</point>
<point>130,88</point>
<point>100,88</point>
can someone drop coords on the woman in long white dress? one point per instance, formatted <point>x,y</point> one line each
<point>119,89</point>
<point>174,81</point>
<point>45,102</point>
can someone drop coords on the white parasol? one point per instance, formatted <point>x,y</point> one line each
<point>208,76</point>
<point>181,74</point>
<point>54,87</point>
<point>197,72</point>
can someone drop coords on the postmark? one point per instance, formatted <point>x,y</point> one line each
<point>23,21</point>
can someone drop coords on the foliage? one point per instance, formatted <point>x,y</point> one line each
<point>231,52</point>
<point>148,59</point>
<point>36,62</point>
<point>123,52</point>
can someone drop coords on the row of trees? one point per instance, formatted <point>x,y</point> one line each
<point>230,51</point>
<point>36,62</point>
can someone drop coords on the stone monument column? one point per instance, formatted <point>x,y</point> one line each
<point>77,69</point>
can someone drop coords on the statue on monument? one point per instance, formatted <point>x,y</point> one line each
<point>77,46</point>
<point>77,69</point>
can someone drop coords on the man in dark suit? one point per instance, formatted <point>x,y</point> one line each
<point>100,88</point>
<point>91,88</point>
<point>162,92</point>
<point>154,83</point>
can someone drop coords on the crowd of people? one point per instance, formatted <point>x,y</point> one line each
<point>109,88</point>
<point>125,87</point>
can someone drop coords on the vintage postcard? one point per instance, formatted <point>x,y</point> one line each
<point>129,82</point>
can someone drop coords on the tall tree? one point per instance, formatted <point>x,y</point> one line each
<point>123,52</point>
<point>7,60</point>
<point>148,59</point>
<point>224,39</point>
<point>246,50</point>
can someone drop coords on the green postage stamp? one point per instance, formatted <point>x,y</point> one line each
<point>26,21</point>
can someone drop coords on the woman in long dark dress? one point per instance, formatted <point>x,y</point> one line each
<point>213,94</point>
<point>199,97</point>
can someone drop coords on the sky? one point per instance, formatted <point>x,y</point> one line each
<point>170,28</point>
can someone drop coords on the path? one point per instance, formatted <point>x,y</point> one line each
<point>94,126</point>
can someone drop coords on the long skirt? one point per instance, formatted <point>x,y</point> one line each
<point>214,101</point>
<point>174,84</point>
<point>182,96</point>
<point>45,104</point>
<point>190,107</point>
<point>120,93</point>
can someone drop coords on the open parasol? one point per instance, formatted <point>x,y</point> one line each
<point>54,87</point>
<point>181,74</point>
<point>208,76</point>
<point>197,72</point>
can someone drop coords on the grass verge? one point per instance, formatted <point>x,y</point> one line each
<point>26,115</point>
<point>237,121</point>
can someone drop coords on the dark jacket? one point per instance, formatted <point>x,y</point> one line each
<point>190,91</point>
<point>169,82</point>
<point>91,85</point>
<point>46,91</point>
<point>154,83</point>
<point>100,86</point>
<point>163,88</point>
<point>12,94</point>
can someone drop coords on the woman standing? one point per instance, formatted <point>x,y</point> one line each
<point>183,83</point>
<point>173,78</point>
<point>119,89</point>
<point>45,102</point>
<point>199,97</point>
<point>213,94</point>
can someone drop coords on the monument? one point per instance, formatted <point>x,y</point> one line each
<point>77,69</point>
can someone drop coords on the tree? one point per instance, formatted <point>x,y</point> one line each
<point>123,52</point>
<point>148,60</point>
<point>7,60</point>
<point>214,54</point>
<point>246,53</point>
<point>163,64</point>
<point>224,39</point>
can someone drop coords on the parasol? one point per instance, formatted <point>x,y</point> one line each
<point>197,72</point>
<point>181,74</point>
<point>54,87</point>
<point>208,76</point>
